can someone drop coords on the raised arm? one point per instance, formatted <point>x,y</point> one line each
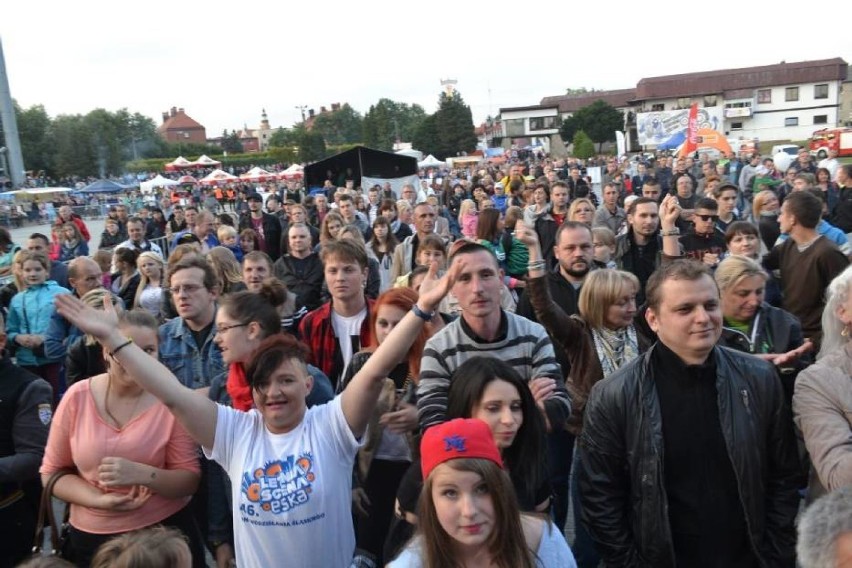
<point>196,413</point>
<point>359,397</point>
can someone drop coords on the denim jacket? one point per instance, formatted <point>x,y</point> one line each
<point>194,367</point>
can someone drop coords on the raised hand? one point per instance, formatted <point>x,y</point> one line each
<point>95,322</point>
<point>433,289</point>
<point>669,212</point>
<point>526,234</point>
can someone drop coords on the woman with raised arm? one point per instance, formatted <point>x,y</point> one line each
<point>290,466</point>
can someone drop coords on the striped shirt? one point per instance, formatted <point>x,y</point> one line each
<point>524,345</point>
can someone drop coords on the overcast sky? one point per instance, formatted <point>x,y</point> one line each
<point>224,62</point>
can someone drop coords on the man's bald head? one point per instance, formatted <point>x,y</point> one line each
<point>84,275</point>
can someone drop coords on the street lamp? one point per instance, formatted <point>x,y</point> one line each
<point>302,108</point>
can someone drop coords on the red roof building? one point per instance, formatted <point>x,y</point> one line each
<point>179,127</point>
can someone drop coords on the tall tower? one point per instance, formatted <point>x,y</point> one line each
<point>449,86</point>
<point>264,121</point>
<point>10,153</point>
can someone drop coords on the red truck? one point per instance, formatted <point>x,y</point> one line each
<point>839,139</point>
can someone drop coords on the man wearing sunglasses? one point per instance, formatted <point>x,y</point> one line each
<point>704,241</point>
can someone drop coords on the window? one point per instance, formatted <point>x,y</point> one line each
<point>821,91</point>
<point>791,121</point>
<point>542,122</point>
<point>658,108</point>
<point>684,102</point>
<point>709,100</point>
<point>764,96</point>
<point>821,119</point>
<point>791,94</point>
<point>736,126</point>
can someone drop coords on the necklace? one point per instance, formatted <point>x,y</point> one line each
<point>115,422</point>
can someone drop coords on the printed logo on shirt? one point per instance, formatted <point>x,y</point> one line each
<point>282,485</point>
<point>45,414</point>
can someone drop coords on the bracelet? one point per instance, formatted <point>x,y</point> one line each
<point>425,316</point>
<point>670,232</point>
<point>120,347</point>
<point>536,265</point>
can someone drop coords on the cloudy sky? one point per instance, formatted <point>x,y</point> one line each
<point>224,62</point>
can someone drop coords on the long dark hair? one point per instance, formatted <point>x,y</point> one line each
<point>486,228</point>
<point>390,239</point>
<point>525,459</point>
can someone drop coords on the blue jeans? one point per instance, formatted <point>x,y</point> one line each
<point>583,547</point>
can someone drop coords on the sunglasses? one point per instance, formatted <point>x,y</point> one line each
<point>706,218</point>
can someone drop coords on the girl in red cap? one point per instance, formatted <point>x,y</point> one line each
<point>469,514</point>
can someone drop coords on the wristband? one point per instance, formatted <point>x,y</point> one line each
<point>120,347</point>
<point>425,316</point>
<point>670,232</point>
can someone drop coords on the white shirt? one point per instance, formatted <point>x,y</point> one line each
<point>831,164</point>
<point>292,493</point>
<point>345,328</point>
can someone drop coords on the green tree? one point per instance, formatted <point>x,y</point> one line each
<point>231,142</point>
<point>598,120</point>
<point>576,92</point>
<point>284,138</point>
<point>74,154</point>
<point>454,124</point>
<point>342,126</point>
<point>311,146</point>
<point>35,129</point>
<point>388,120</point>
<point>584,148</point>
<point>426,137</point>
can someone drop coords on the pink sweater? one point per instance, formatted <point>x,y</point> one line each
<point>79,438</point>
<point>469,222</point>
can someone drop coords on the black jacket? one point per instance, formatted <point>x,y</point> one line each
<point>621,477</point>
<point>271,233</point>
<point>306,285</point>
<point>774,331</point>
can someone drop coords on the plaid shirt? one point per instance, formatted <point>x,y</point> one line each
<point>317,332</point>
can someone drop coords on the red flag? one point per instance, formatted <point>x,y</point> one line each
<point>691,144</point>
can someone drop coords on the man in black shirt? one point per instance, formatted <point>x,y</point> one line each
<point>688,456</point>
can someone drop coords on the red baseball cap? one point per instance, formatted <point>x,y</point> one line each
<point>459,438</point>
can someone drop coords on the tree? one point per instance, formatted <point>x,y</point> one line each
<point>454,124</point>
<point>598,120</point>
<point>584,148</point>
<point>35,130</point>
<point>231,142</point>
<point>283,138</point>
<point>388,120</point>
<point>311,145</point>
<point>342,126</point>
<point>576,92</point>
<point>426,137</point>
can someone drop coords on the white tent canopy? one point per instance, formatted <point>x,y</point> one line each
<point>206,161</point>
<point>258,174</point>
<point>431,161</point>
<point>218,176</point>
<point>412,153</point>
<point>159,181</point>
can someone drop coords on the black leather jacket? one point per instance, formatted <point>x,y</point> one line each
<point>622,482</point>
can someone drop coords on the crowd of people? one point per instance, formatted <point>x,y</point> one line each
<point>438,375</point>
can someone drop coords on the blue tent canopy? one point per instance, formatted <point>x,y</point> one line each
<point>104,186</point>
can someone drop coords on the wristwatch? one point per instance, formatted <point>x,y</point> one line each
<point>421,314</point>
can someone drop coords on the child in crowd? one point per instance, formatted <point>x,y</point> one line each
<point>603,240</point>
<point>227,236</point>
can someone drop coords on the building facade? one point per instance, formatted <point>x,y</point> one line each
<point>179,127</point>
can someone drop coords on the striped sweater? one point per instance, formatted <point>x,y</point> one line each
<point>525,346</point>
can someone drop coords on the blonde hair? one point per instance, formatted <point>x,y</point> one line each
<point>760,200</point>
<point>157,547</point>
<point>225,265</point>
<point>601,289</point>
<point>224,232</point>
<point>465,207</point>
<point>572,210</point>
<point>604,235</point>
<point>733,269</point>
<point>143,280</point>
<point>832,328</point>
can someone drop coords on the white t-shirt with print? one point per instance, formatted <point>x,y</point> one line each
<point>292,492</point>
<point>347,329</point>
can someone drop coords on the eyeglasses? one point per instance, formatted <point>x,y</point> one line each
<point>224,328</point>
<point>706,218</point>
<point>188,288</point>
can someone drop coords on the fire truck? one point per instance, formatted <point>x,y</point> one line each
<point>839,139</point>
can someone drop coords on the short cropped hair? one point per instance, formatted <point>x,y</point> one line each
<point>682,269</point>
<point>211,282</point>
<point>806,208</point>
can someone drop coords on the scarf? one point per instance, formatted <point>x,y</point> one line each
<point>238,388</point>
<point>615,348</point>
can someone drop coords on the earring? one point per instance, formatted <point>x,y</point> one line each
<point>845,331</point>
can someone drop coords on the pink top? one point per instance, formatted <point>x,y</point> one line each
<point>80,438</point>
<point>469,222</point>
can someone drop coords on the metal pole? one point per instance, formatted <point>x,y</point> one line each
<point>15,159</point>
